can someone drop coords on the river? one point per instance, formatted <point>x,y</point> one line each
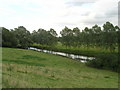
<point>80,58</point>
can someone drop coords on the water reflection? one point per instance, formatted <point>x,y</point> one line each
<point>75,57</point>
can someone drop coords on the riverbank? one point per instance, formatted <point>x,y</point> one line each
<point>90,52</point>
<point>31,69</point>
<point>104,59</point>
<point>72,56</point>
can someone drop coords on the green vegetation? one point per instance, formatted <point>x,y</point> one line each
<point>105,38</point>
<point>96,41</point>
<point>105,59</point>
<point>31,69</point>
<point>19,37</point>
<point>95,37</point>
<point>76,50</point>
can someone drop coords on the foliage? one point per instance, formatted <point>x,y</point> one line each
<point>23,36</point>
<point>93,41</point>
<point>8,38</point>
<point>105,61</point>
<point>91,37</point>
<point>44,37</point>
<point>19,37</point>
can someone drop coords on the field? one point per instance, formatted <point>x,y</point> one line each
<point>30,69</point>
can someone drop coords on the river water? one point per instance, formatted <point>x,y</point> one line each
<point>72,56</point>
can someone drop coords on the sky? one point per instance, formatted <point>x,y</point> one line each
<point>56,14</point>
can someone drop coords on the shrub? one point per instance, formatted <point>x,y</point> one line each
<point>106,61</point>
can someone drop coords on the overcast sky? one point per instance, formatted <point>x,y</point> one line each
<point>56,14</point>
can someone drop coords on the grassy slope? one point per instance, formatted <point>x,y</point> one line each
<point>27,68</point>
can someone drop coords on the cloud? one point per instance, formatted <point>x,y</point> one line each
<point>102,11</point>
<point>75,3</point>
<point>35,14</point>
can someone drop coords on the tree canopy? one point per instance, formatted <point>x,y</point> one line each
<point>106,38</point>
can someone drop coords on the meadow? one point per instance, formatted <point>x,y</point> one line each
<point>31,69</point>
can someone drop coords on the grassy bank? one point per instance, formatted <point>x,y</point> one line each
<point>85,51</point>
<point>31,69</point>
<point>104,58</point>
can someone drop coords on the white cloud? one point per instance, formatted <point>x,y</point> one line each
<point>34,14</point>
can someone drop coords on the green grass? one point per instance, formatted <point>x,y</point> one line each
<point>85,51</point>
<point>31,69</point>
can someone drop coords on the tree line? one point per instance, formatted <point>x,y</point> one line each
<point>106,38</point>
<point>20,37</point>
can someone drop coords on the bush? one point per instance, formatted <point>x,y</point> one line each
<point>106,61</point>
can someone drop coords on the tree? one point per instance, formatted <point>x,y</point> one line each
<point>67,36</point>
<point>109,36</point>
<point>77,37</point>
<point>44,37</point>
<point>8,38</point>
<point>35,37</point>
<point>86,36</point>
<point>96,35</point>
<point>53,36</point>
<point>23,36</point>
<point>53,32</point>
